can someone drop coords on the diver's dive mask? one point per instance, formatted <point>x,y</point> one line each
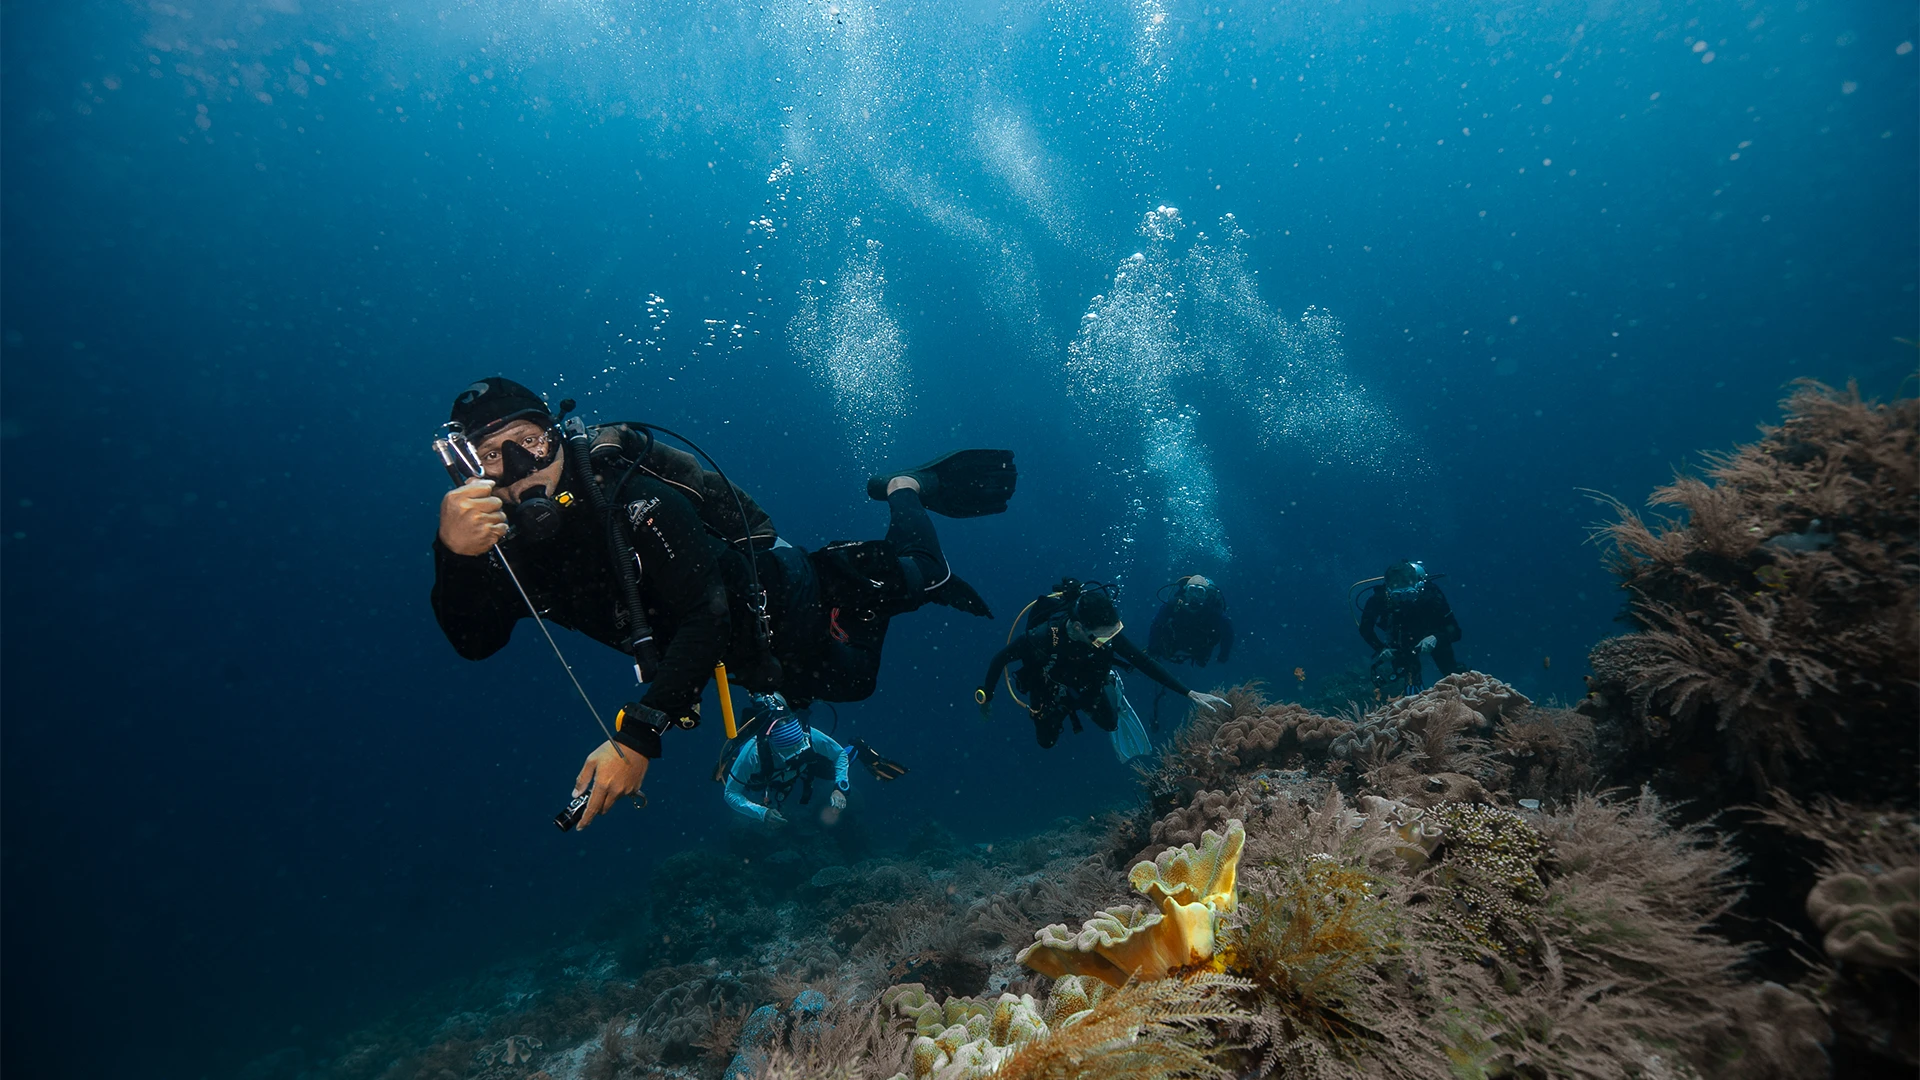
<point>535,515</point>
<point>1196,592</point>
<point>520,458</point>
<point>1405,581</point>
<point>1080,631</point>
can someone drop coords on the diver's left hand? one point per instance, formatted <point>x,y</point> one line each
<point>615,772</point>
<point>838,799</point>
<point>1210,701</point>
<point>1429,643</point>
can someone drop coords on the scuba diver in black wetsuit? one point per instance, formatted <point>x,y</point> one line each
<point>1417,620</point>
<point>636,546</point>
<point>1191,624</point>
<point>1067,657</point>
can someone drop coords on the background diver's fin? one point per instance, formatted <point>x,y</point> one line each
<point>961,596</point>
<point>882,768</point>
<point>964,483</point>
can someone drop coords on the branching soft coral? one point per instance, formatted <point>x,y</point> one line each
<point>1549,753</point>
<point>1779,620</point>
<point>1366,967</point>
<point>1306,948</point>
<point>1160,1030</point>
<point>848,1041</point>
<point>1628,899</point>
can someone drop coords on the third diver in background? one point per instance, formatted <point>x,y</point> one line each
<point>1416,619</point>
<point>1067,658</point>
<point>1191,624</point>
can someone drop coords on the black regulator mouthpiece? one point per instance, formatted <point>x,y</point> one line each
<point>536,517</point>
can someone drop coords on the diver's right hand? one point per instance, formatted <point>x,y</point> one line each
<point>1383,656</point>
<point>775,818</point>
<point>472,518</point>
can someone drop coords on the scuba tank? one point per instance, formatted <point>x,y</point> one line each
<point>1051,606</point>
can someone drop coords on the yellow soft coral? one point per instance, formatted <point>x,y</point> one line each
<point>1192,886</point>
<point>1195,875</point>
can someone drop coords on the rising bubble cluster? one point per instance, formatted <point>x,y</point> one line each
<point>1178,328</point>
<point>854,346</point>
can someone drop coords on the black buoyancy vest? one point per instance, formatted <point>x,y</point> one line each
<point>712,498</point>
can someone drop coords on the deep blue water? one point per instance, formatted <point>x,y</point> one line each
<point>1480,261</point>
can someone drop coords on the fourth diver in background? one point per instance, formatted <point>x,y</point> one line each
<point>1417,621</point>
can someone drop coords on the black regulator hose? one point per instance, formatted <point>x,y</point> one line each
<point>639,635</point>
<point>763,624</point>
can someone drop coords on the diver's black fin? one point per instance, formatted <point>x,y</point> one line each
<point>961,596</point>
<point>965,483</point>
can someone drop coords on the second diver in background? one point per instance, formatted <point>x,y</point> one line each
<point>1067,657</point>
<point>1416,621</point>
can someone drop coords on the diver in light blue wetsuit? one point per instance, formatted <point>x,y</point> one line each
<point>776,752</point>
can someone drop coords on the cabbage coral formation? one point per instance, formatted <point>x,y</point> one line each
<point>1192,886</point>
<point>1869,919</point>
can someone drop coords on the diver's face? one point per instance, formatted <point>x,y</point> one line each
<point>526,438</point>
